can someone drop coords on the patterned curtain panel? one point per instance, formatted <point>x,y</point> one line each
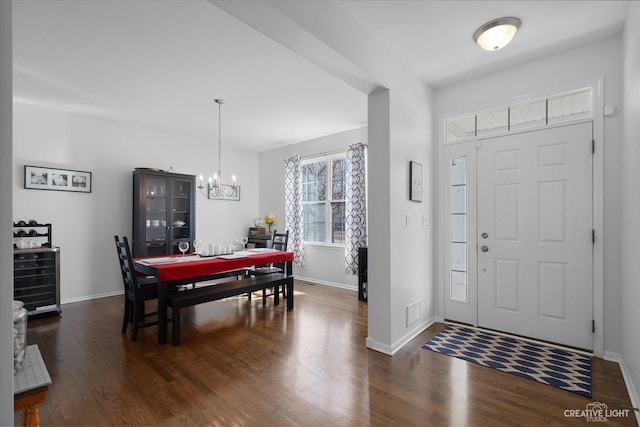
<point>356,206</point>
<point>293,220</point>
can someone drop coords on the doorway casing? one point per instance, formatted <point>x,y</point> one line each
<point>596,117</point>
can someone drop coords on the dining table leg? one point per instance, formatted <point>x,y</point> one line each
<point>289,270</point>
<point>290,295</point>
<point>162,313</point>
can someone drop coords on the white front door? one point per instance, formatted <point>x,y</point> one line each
<point>534,234</point>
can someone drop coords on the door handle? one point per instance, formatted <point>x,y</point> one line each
<point>484,248</point>
<point>485,235</point>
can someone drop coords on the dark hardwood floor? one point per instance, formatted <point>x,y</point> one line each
<point>244,364</point>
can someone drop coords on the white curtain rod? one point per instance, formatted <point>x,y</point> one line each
<point>328,153</point>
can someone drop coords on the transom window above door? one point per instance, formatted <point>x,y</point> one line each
<point>528,115</point>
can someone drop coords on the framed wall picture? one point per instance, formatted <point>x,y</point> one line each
<point>415,185</point>
<point>228,192</point>
<point>44,178</point>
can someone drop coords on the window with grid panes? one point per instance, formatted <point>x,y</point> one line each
<point>323,199</point>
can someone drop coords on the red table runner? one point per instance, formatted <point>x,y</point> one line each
<point>208,266</point>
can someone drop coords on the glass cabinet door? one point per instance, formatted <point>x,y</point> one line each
<point>156,216</point>
<point>181,202</point>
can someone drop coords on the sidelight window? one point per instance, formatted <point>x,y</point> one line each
<point>458,229</point>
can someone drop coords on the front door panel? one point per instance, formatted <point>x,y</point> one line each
<point>534,238</point>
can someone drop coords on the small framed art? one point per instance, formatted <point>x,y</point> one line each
<point>415,184</point>
<point>227,192</point>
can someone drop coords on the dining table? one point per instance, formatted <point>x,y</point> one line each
<point>177,270</point>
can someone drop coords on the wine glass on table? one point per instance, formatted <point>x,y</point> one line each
<point>244,240</point>
<point>184,247</point>
<point>235,244</point>
<point>196,245</point>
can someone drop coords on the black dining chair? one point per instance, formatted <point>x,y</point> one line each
<point>279,241</point>
<point>137,290</point>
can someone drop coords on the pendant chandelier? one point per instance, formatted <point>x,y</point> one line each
<point>216,189</point>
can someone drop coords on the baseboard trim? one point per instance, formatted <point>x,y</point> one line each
<point>114,293</point>
<point>90,297</point>
<point>612,357</point>
<point>628,382</point>
<point>372,344</point>
<point>414,332</point>
<point>392,349</point>
<point>325,282</point>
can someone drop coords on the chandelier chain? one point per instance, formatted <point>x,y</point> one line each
<point>219,102</point>
<point>215,189</point>
<point>219,137</point>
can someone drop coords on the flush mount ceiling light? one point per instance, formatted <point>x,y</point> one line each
<point>496,34</point>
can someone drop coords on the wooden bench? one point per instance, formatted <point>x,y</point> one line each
<point>189,297</point>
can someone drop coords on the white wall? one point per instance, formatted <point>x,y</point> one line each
<point>324,264</point>
<point>6,253</point>
<point>401,236</point>
<point>400,267</point>
<point>631,204</point>
<point>555,73</point>
<point>84,224</point>
<point>399,130</point>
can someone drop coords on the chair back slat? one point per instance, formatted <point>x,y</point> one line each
<point>280,241</point>
<point>136,291</point>
<point>126,265</point>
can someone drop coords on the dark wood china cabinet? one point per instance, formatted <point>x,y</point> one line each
<point>164,212</point>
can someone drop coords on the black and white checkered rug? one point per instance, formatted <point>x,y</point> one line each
<point>548,365</point>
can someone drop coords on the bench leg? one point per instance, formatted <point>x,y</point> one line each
<point>175,340</point>
<point>290,293</point>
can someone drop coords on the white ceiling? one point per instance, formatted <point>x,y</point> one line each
<point>160,63</point>
<point>434,39</point>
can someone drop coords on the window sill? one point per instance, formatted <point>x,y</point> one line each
<point>324,245</point>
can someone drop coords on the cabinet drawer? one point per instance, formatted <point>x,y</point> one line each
<point>34,290</point>
<point>42,299</point>
<point>24,265</point>
<point>36,280</point>
<point>31,256</point>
